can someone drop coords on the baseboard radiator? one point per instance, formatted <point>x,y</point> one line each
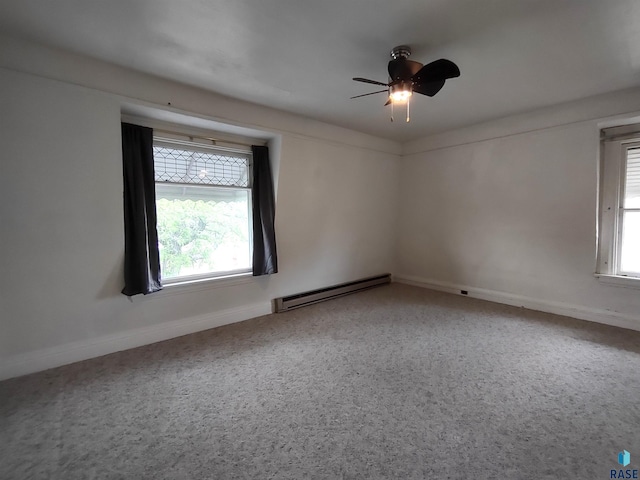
<point>314,296</point>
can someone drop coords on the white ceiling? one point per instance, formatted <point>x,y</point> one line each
<point>300,55</point>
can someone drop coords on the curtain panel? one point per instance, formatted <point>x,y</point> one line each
<point>141,255</point>
<point>265,257</point>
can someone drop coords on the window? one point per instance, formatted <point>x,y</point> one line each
<point>630,213</point>
<point>619,242</point>
<point>203,204</point>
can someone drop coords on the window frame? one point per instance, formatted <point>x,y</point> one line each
<point>613,173</point>
<point>190,144</point>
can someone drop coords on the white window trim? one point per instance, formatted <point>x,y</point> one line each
<point>188,286</point>
<point>612,175</point>
<point>197,286</point>
<point>193,279</point>
<point>619,280</point>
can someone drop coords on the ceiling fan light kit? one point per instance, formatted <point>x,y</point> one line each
<point>407,77</point>
<point>400,92</point>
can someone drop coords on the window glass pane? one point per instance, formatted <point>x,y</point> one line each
<point>173,164</point>
<point>630,251</point>
<point>202,230</point>
<point>632,182</point>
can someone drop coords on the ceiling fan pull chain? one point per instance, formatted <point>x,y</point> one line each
<point>408,102</point>
<point>392,111</point>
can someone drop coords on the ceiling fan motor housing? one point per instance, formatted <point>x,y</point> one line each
<point>400,68</point>
<point>402,51</point>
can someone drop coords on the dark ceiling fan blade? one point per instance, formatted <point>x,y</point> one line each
<point>436,71</point>
<point>430,88</point>
<point>388,102</point>
<point>402,69</point>
<point>372,93</point>
<point>373,82</point>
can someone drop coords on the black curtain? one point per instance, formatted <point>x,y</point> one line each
<point>141,255</point>
<point>265,257</point>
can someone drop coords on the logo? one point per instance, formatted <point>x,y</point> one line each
<point>624,459</point>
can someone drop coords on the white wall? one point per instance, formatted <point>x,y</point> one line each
<point>61,211</point>
<point>507,210</point>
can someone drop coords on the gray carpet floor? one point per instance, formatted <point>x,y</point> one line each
<point>394,382</point>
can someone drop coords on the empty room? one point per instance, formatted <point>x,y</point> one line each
<point>320,239</point>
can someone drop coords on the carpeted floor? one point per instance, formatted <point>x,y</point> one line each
<point>394,382</point>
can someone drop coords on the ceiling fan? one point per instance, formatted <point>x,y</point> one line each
<point>407,77</point>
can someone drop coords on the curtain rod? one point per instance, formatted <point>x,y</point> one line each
<point>211,139</point>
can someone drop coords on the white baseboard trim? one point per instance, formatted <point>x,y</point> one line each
<point>580,312</point>
<point>44,359</point>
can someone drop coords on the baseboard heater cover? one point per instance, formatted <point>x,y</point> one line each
<point>283,304</point>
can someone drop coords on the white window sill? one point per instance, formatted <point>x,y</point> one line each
<point>189,286</point>
<point>619,280</point>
